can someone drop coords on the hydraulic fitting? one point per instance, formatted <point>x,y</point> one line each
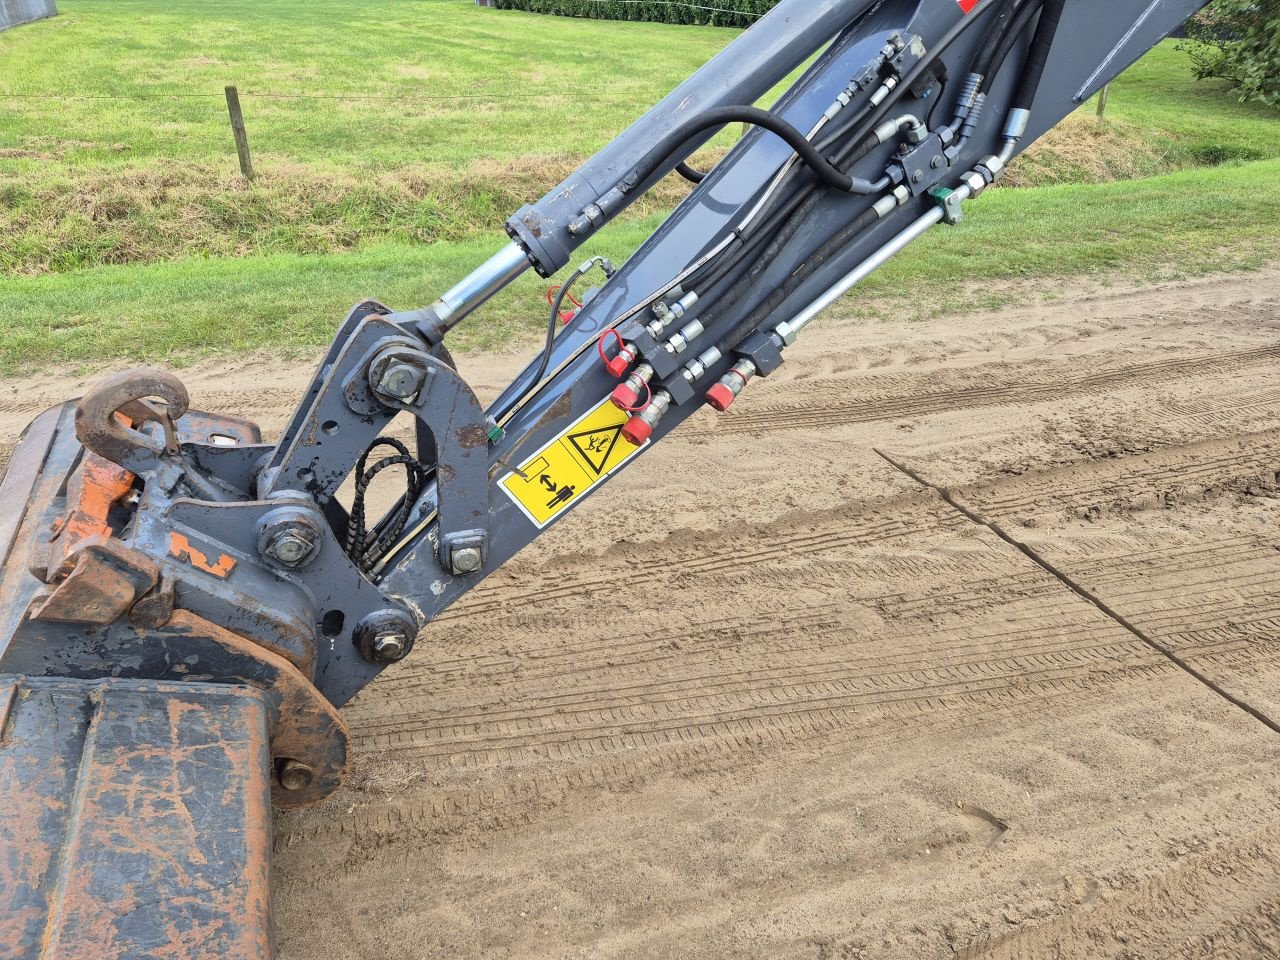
<point>640,427</point>
<point>694,369</point>
<point>972,116</point>
<point>667,314</point>
<point>722,394</point>
<point>680,342</point>
<point>622,362</point>
<point>627,395</point>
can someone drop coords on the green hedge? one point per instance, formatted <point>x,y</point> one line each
<point>718,13</point>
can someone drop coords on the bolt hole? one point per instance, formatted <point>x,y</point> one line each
<point>330,427</point>
<point>332,622</point>
<point>305,474</point>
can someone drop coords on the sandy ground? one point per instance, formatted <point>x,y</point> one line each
<point>954,638</point>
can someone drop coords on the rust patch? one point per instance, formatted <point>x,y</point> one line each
<point>307,727</point>
<point>180,549</point>
<point>7,697</point>
<point>95,487</point>
<point>105,578</point>
<point>471,437</point>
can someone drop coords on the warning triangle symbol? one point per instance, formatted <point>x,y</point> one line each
<point>595,446</point>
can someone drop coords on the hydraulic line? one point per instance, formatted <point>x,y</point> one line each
<point>1005,25</point>
<point>689,173</point>
<point>1038,55</point>
<point>760,311</point>
<point>721,116</point>
<point>362,547</point>
<point>557,303</point>
<point>916,72</point>
<point>1015,32</point>
<point>867,267</point>
<point>781,224</point>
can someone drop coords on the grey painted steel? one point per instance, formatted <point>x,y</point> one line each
<point>743,72</point>
<point>320,606</point>
<point>1090,30</point>
<point>16,12</point>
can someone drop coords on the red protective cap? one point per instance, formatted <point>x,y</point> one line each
<point>624,398</point>
<point>721,397</point>
<point>619,365</point>
<point>637,431</point>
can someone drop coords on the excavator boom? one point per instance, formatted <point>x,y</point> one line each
<point>184,608</point>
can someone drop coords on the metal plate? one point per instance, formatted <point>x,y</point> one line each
<point>134,820</point>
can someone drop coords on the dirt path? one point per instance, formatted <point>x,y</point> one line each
<point>953,638</point>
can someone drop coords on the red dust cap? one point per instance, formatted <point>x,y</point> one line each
<point>637,431</point>
<point>721,397</point>
<point>624,398</point>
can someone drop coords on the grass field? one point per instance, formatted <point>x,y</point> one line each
<point>392,139</point>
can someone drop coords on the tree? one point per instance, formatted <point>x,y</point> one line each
<point>1239,41</point>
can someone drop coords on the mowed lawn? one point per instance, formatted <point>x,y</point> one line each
<point>393,137</point>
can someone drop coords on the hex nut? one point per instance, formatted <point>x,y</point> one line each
<point>398,374</point>
<point>466,559</point>
<point>389,647</point>
<point>386,636</point>
<point>292,546</point>
<point>401,381</point>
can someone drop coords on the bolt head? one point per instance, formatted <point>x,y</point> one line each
<point>467,559</point>
<point>401,381</point>
<point>389,647</point>
<point>291,547</point>
<point>295,775</point>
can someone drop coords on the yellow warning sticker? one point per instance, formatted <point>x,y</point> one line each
<point>563,472</point>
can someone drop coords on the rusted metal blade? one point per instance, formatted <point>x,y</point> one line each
<point>134,820</point>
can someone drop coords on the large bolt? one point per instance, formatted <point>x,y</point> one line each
<point>389,647</point>
<point>466,559</point>
<point>401,381</point>
<point>292,546</point>
<point>294,775</point>
<point>385,636</point>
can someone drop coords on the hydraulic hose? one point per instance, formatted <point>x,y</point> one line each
<point>1016,29</point>
<point>757,314</point>
<point>719,117</point>
<point>916,72</point>
<point>1033,70</point>
<point>689,173</point>
<point>1000,29</point>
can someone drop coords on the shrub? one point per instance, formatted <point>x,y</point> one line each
<point>1239,41</point>
<point>718,13</point>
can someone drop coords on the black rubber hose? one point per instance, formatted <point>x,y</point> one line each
<point>689,173</point>
<point>916,72</point>
<point>761,311</point>
<point>552,321</point>
<point>1016,30</point>
<point>999,30</point>
<point>1039,53</point>
<point>719,117</point>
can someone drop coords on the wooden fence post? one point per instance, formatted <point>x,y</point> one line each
<point>1102,100</point>
<point>237,128</point>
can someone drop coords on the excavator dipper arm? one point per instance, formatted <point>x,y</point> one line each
<point>184,608</point>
